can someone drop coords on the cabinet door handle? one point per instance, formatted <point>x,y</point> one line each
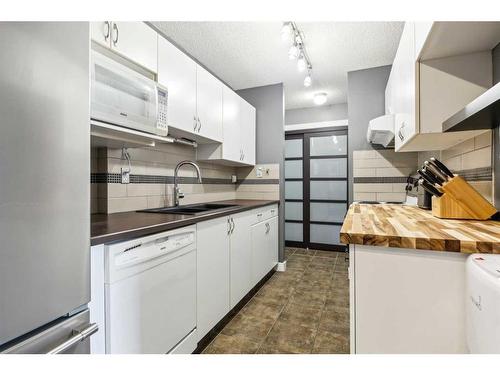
<point>195,123</point>
<point>268,228</point>
<point>232,221</point>
<point>107,30</point>
<point>400,134</point>
<point>228,227</point>
<point>115,28</point>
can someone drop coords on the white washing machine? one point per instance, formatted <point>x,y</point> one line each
<point>149,294</point>
<point>483,303</point>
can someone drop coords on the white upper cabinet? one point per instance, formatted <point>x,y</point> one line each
<point>238,119</point>
<point>177,72</point>
<point>194,96</point>
<point>209,105</point>
<point>231,148</point>
<point>100,32</point>
<point>135,41</point>
<point>247,115</point>
<point>423,94</point>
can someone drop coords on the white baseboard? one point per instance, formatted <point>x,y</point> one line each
<point>281,266</point>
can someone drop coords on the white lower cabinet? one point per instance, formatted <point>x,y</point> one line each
<point>241,256</point>
<point>264,247</point>
<point>212,273</point>
<point>234,253</point>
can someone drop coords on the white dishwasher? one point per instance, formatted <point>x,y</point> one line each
<point>150,293</point>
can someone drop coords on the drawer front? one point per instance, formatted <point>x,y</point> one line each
<point>270,212</point>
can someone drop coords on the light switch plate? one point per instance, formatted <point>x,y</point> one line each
<point>125,176</point>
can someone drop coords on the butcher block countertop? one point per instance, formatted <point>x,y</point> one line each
<point>396,225</point>
<point>106,228</point>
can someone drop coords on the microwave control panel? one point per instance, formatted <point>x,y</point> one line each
<point>162,109</point>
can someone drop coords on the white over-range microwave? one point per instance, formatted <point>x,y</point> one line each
<point>121,96</point>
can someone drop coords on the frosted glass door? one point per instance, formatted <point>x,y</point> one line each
<point>294,190</point>
<point>327,188</point>
<point>315,188</point>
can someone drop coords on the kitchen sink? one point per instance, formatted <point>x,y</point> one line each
<point>191,209</point>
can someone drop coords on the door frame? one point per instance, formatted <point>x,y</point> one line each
<point>306,135</point>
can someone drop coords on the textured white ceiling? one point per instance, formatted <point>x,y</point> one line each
<point>250,54</point>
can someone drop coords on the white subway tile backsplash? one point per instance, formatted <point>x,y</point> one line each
<point>359,196</point>
<point>477,159</point>
<point>483,140</point>
<point>364,172</point>
<point>372,188</point>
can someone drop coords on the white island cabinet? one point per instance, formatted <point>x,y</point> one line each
<point>407,301</point>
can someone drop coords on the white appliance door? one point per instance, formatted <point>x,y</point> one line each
<point>44,173</point>
<point>152,311</point>
<point>122,96</point>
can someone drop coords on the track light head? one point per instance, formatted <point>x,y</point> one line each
<point>293,52</point>
<point>308,80</point>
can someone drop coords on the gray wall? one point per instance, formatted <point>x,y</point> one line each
<point>269,102</point>
<point>366,100</point>
<point>316,114</point>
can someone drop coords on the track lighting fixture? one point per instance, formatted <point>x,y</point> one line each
<point>308,80</point>
<point>290,33</point>
<point>293,52</point>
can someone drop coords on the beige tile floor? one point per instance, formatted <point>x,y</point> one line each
<point>302,310</point>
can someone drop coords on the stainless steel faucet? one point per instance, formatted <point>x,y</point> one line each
<point>177,192</point>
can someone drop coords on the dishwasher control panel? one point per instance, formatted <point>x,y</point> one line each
<point>148,251</point>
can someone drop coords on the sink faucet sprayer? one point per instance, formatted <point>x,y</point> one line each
<point>177,192</point>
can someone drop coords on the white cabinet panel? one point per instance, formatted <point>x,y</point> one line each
<point>405,88</point>
<point>231,113</point>
<point>264,247</point>
<point>177,72</point>
<point>209,105</point>
<point>241,256</point>
<point>247,137</point>
<point>136,41</point>
<point>213,281</point>
<point>100,32</point>
<point>272,243</point>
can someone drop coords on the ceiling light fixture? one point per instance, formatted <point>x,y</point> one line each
<point>319,98</point>
<point>291,33</point>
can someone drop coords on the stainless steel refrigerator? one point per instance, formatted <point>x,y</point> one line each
<point>44,187</point>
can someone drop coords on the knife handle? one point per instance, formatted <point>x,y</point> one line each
<point>440,176</point>
<point>441,166</point>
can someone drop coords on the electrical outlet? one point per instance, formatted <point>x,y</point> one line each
<point>258,172</point>
<point>125,176</point>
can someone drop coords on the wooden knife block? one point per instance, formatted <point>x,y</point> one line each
<point>461,201</point>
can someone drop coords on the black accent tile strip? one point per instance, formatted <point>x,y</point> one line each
<point>259,181</point>
<point>380,180</point>
<point>476,174</point>
<point>115,178</point>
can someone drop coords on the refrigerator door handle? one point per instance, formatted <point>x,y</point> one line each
<point>79,335</point>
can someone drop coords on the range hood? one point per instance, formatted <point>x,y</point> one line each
<point>381,131</point>
<point>482,113</point>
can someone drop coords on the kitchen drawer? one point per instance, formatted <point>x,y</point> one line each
<point>265,213</point>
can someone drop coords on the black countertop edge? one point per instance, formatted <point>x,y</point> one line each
<point>169,225</point>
